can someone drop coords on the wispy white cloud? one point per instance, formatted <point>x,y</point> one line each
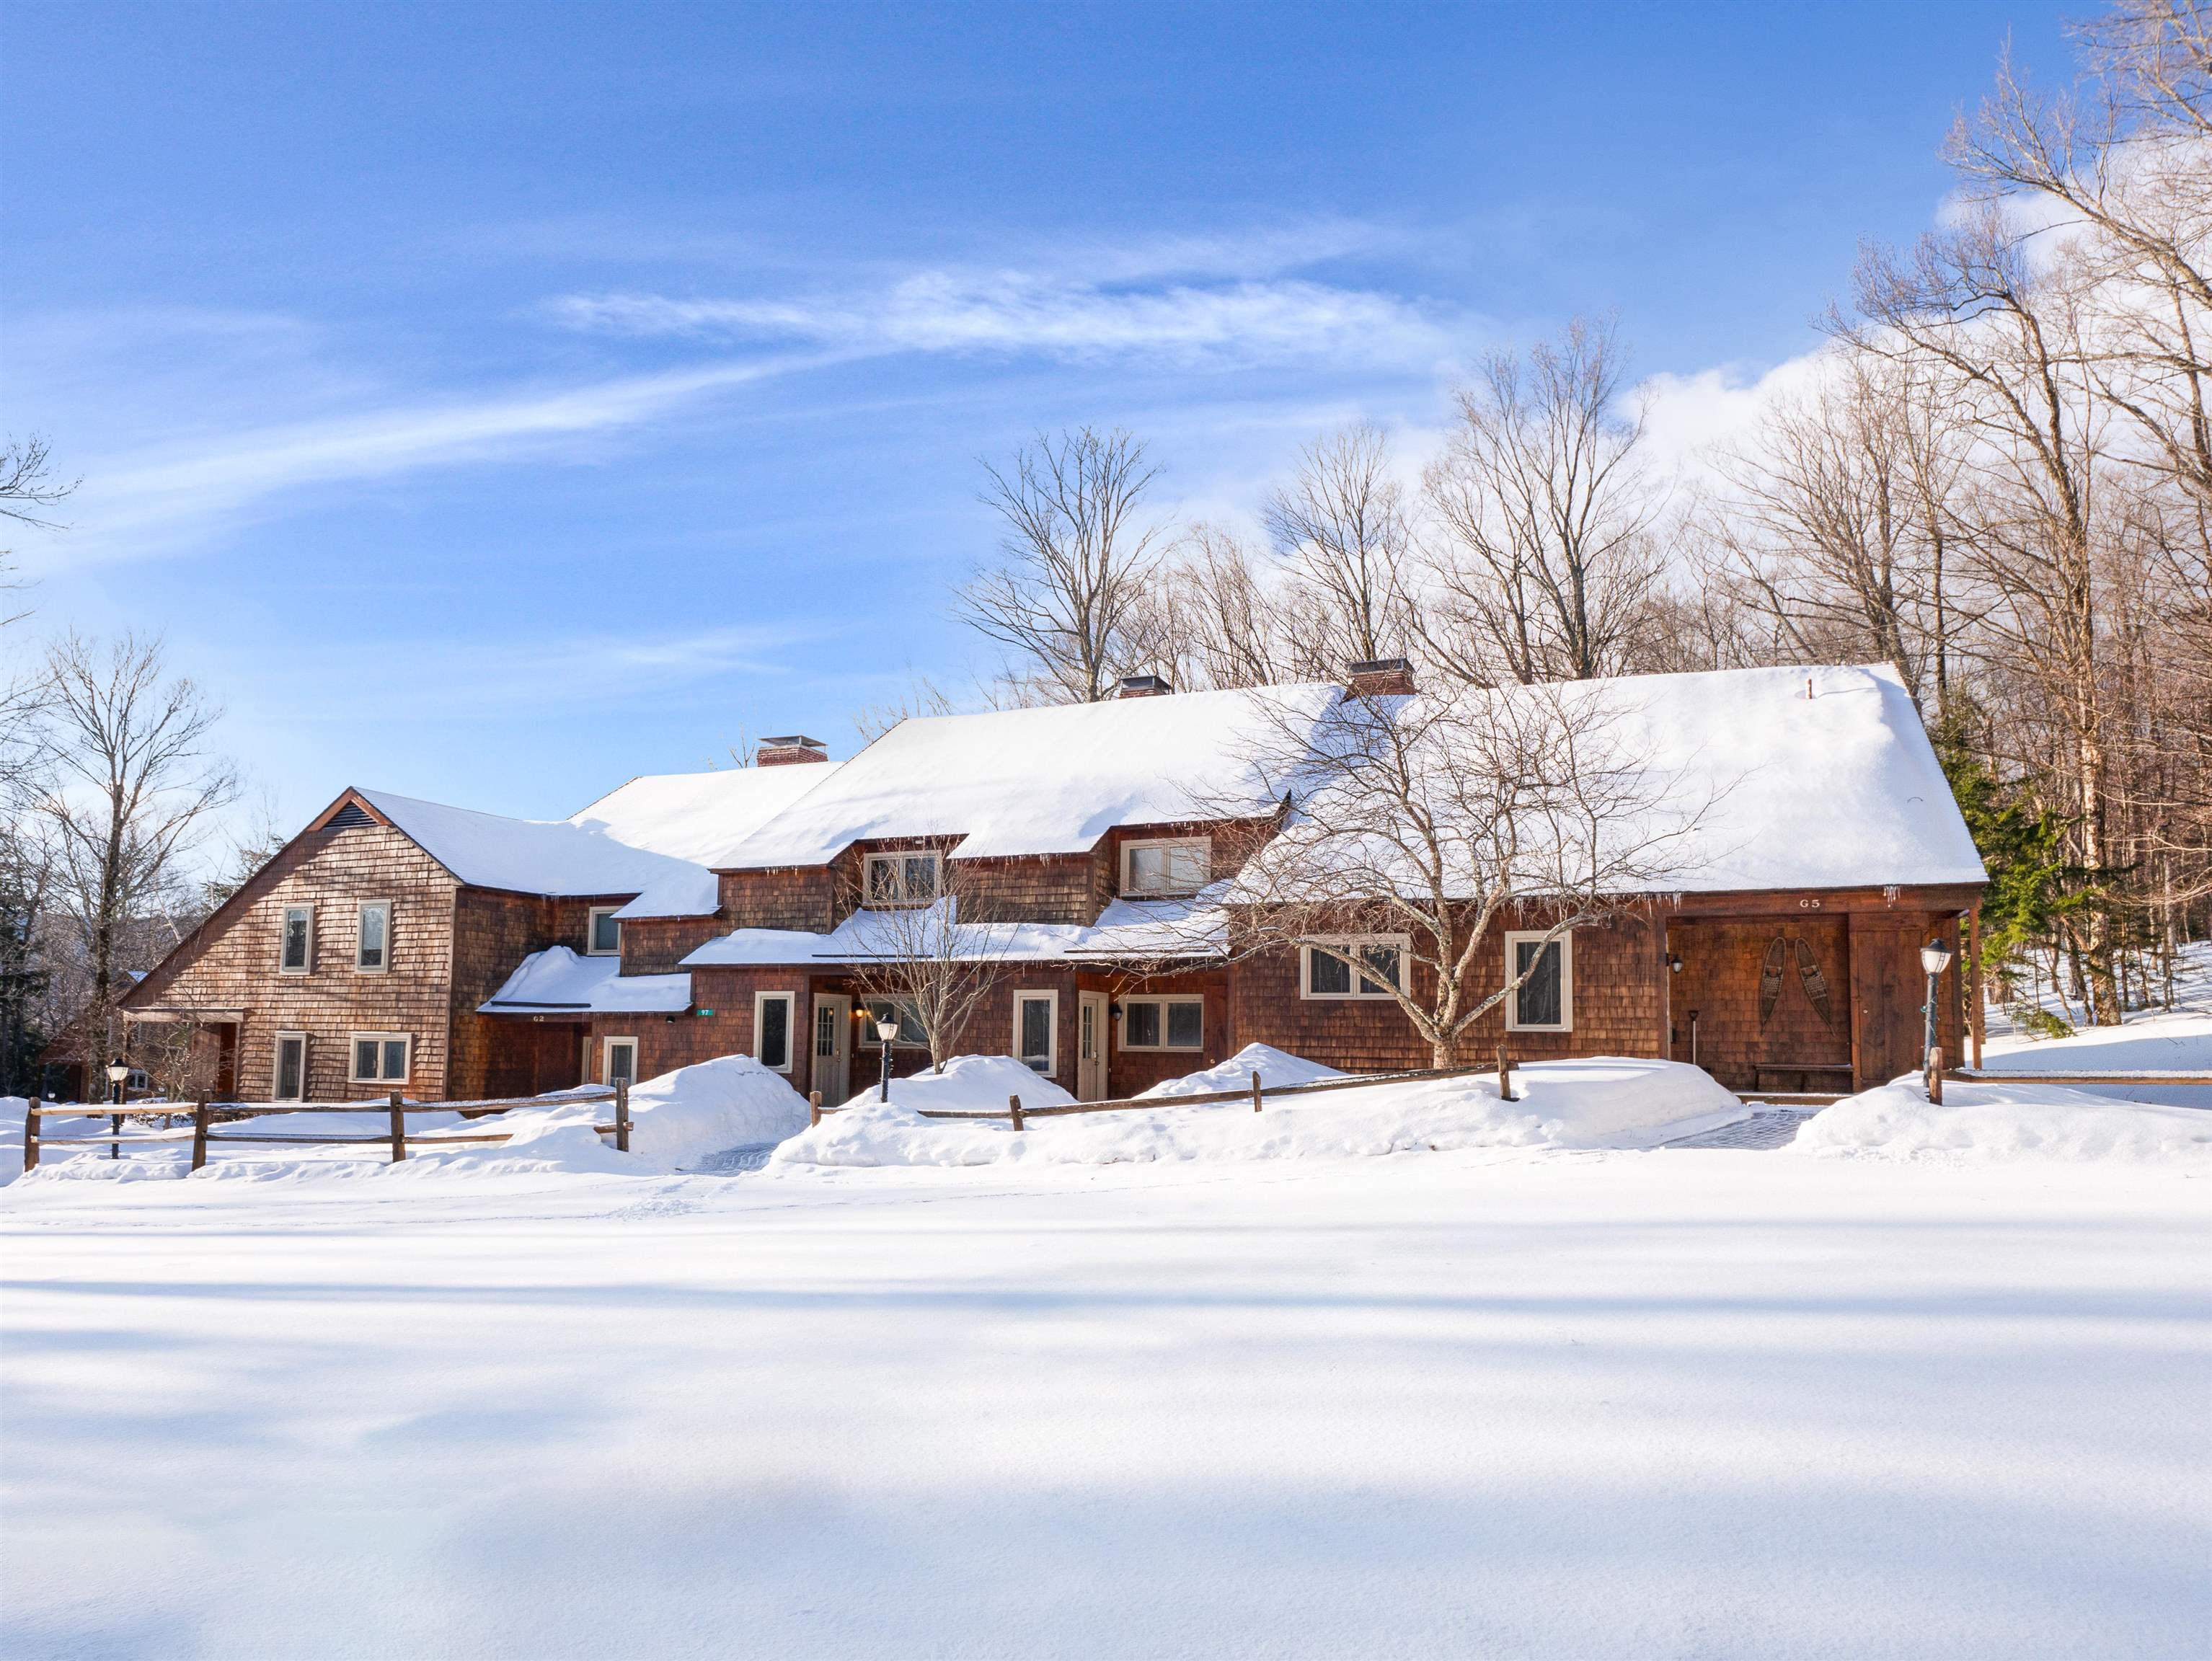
<point>1011,313</point>
<point>173,492</point>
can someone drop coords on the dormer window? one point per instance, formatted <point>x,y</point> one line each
<point>603,938</point>
<point>1181,865</point>
<point>902,879</point>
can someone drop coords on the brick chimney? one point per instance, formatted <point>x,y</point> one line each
<point>1145,686</point>
<point>789,750</point>
<point>1379,677</point>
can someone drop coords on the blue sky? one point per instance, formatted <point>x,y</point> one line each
<point>494,403</point>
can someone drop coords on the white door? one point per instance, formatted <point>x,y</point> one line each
<point>1090,1046</point>
<point>833,1040</point>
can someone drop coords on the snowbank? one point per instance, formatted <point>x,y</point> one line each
<point>1273,1065</point>
<point>2006,1122</point>
<point>1604,1102</point>
<point>677,1119</point>
<point>974,1084</point>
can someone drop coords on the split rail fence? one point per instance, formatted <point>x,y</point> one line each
<point>204,1132</point>
<point>1020,1115</point>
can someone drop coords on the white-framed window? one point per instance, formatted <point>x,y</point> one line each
<point>618,1060</point>
<point>1162,1023</point>
<point>1037,1030</point>
<point>379,1057</point>
<point>1381,957</point>
<point>1181,864</point>
<point>771,1013</point>
<point>295,948</point>
<point>603,933</point>
<point>371,936</point>
<point>901,879</point>
<point>290,1082</point>
<point>1544,1002</point>
<point>911,1033</point>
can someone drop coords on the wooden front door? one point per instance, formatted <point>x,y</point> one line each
<point>1090,1046</point>
<point>833,1047</point>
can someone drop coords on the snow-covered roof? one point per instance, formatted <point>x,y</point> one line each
<point>529,856</point>
<point>1149,930</point>
<point>700,816</point>
<point>1041,781</point>
<point>557,980</point>
<point>1837,790</point>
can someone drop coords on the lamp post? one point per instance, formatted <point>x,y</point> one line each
<point>1934,958</point>
<point>886,1030</point>
<point>116,1073</point>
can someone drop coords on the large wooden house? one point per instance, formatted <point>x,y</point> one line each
<point>1093,851</point>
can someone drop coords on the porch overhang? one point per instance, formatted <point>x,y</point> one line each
<point>206,1014</point>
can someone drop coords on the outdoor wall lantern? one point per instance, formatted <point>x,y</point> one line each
<point>886,1030</point>
<point>1673,963</point>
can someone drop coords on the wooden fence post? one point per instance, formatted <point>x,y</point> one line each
<point>398,1128</point>
<point>1936,1076</point>
<point>1014,1107</point>
<point>199,1134</point>
<point>1504,1073</point>
<point>813,1108</point>
<point>622,1115</point>
<point>31,1136</point>
<point>1255,1093</point>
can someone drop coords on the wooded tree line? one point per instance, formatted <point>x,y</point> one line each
<point>1997,478</point>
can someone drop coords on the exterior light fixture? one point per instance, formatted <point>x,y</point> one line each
<point>118,1072</point>
<point>886,1029</point>
<point>1673,964</point>
<point>1934,958</point>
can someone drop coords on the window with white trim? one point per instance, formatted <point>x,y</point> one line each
<point>1162,1023</point>
<point>1181,865</point>
<point>1544,1002</point>
<point>618,1060</point>
<point>290,1083</point>
<point>901,879</point>
<point>911,1033</point>
<point>379,1057</point>
<point>1323,973</point>
<point>603,934</point>
<point>1036,1031</point>
<point>372,938</point>
<point>295,951</point>
<point>772,1014</point>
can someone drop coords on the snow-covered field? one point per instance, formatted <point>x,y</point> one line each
<point>1394,1370</point>
<point>1487,1401</point>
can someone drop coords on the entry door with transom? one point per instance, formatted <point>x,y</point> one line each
<point>833,1041</point>
<point>1090,1046</point>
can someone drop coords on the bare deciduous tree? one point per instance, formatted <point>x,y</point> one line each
<point>136,784</point>
<point>1212,619</point>
<point>1076,557</point>
<point>1547,551</point>
<point>1342,530</point>
<point>1437,819</point>
<point>935,959</point>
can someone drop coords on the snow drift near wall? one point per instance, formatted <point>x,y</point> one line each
<point>1993,1122</point>
<point>1274,1067</point>
<point>1603,1102</point>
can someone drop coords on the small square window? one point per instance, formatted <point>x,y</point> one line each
<point>620,1066</point>
<point>1329,972</point>
<point>604,933</point>
<point>1181,866</point>
<point>1162,1023</point>
<point>911,1033</point>
<point>380,1058</point>
<point>900,879</point>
